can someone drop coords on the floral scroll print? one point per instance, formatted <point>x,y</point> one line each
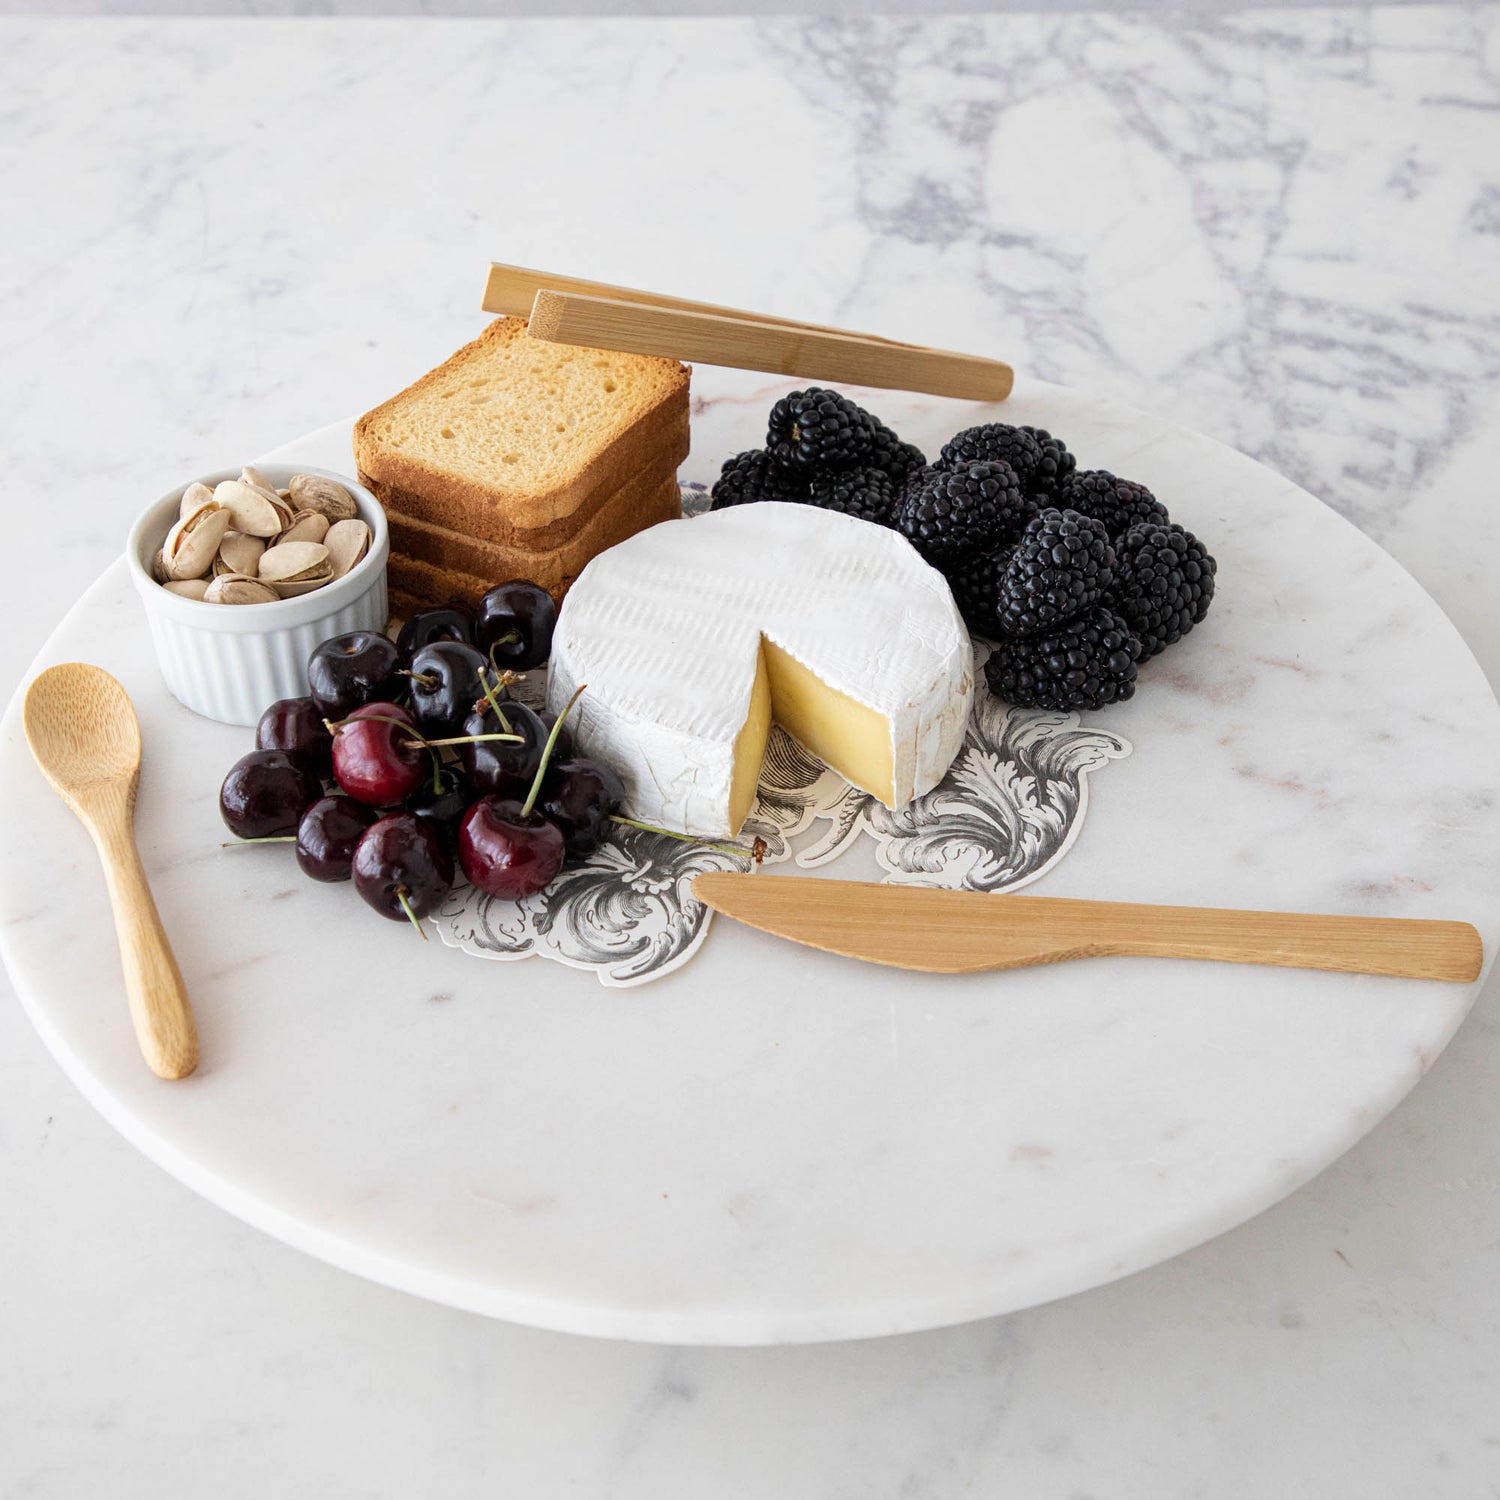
<point>1009,808</point>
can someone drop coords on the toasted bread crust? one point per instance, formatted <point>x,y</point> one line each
<point>441,567</point>
<point>652,419</point>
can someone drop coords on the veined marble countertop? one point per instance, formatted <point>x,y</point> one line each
<point>1281,228</point>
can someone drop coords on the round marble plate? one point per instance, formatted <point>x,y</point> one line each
<point>772,1144</point>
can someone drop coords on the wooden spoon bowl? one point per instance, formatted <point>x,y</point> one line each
<point>82,730</point>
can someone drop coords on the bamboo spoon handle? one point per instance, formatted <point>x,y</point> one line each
<point>159,1005</point>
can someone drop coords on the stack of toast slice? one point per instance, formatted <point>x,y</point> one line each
<point>519,458</point>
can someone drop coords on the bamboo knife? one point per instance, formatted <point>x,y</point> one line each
<point>962,932</point>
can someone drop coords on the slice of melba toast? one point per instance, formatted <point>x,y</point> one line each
<point>514,434</point>
<point>441,565</point>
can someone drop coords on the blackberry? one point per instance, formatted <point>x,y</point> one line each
<point>994,440</point>
<point>1062,566</point>
<point>975,582</point>
<point>1164,583</point>
<point>1084,663</point>
<point>818,427</point>
<point>868,493</point>
<point>898,459</point>
<point>755,475</point>
<point>1119,503</point>
<point>954,514</point>
<point>1057,463</point>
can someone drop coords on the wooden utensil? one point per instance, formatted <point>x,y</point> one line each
<point>961,932</point>
<point>83,732</point>
<point>569,310</point>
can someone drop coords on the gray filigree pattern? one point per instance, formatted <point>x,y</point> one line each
<point>1009,808</point>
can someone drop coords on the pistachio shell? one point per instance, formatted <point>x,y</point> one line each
<point>235,588</point>
<point>307,526</point>
<point>187,588</point>
<point>290,588</point>
<point>291,562</point>
<point>327,496</point>
<point>194,497</point>
<point>253,511</point>
<point>240,554</point>
<point>348,542</point>
<point>255,479</point>
<point>191,544</point>
<point>159,567</point>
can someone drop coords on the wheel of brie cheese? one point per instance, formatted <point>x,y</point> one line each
<point>693,637</point>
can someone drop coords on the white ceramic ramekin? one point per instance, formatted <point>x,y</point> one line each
<point>232,661</point>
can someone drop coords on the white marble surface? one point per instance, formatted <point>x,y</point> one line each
<point>1280,230</point>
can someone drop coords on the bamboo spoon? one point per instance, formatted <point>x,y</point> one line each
<point>83,732</point>
<point>962,932</point>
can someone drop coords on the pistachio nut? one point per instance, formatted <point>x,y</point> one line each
<point>348,542</point>
<point>294,568</point>
<point>256,480</point>
<point>255,513</point>
<point>187,588</point>
<point>193,497</point>
<point>191,544</point>
<point>307,526</point>
<point>159,568</point>
<point>328,496</point>
<point>239,553</point>
<point>235,588</point>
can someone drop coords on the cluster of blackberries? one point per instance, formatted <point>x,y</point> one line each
<point>1076,575</point>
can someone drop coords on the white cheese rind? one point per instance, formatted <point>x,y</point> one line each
<point>665,631</point>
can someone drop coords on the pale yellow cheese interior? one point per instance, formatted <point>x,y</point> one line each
<point>847,735</point>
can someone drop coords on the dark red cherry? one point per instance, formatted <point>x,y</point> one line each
<point>513,624</point>
<point>429,625</point>
<point>503,766</point>
<point>562,746</point>
<point>441,802</point>
<point>378,756</point>
<point>296,725</point>
<point>266,792</point>
<point>400,857</point>
<point>351,670</point>
<point>447,679</point>
<point>327,834</point>
<point>580,796</point>
<point>507,853</point>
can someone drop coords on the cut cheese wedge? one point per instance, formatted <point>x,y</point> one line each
<point>693,637</point>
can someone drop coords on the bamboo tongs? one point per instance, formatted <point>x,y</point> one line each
<point>595,315</point>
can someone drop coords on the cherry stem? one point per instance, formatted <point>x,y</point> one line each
<point>428,680</point>
<point>541,770</point>
<point>333,728</point>
<point>508,639</point>
<point>269,838</point>
<point>686,838</point>
<point>473,739</point>
<point>494,702</point>
<point>411,915</point>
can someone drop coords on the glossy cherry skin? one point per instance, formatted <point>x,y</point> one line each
<point>429,625</point>
<point>266,792</point>
<point>513,624</point>
<point>447,680</point>
<point>562,746</point>
<point>505,854</point>
<point>503,766</point>
<point>348,671</point>
<point>296,725</point>
<point>400,855</point>
<point>441,802</point>
<point>378,756</point>
<point>580,796</point>
<point>327,834</point>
